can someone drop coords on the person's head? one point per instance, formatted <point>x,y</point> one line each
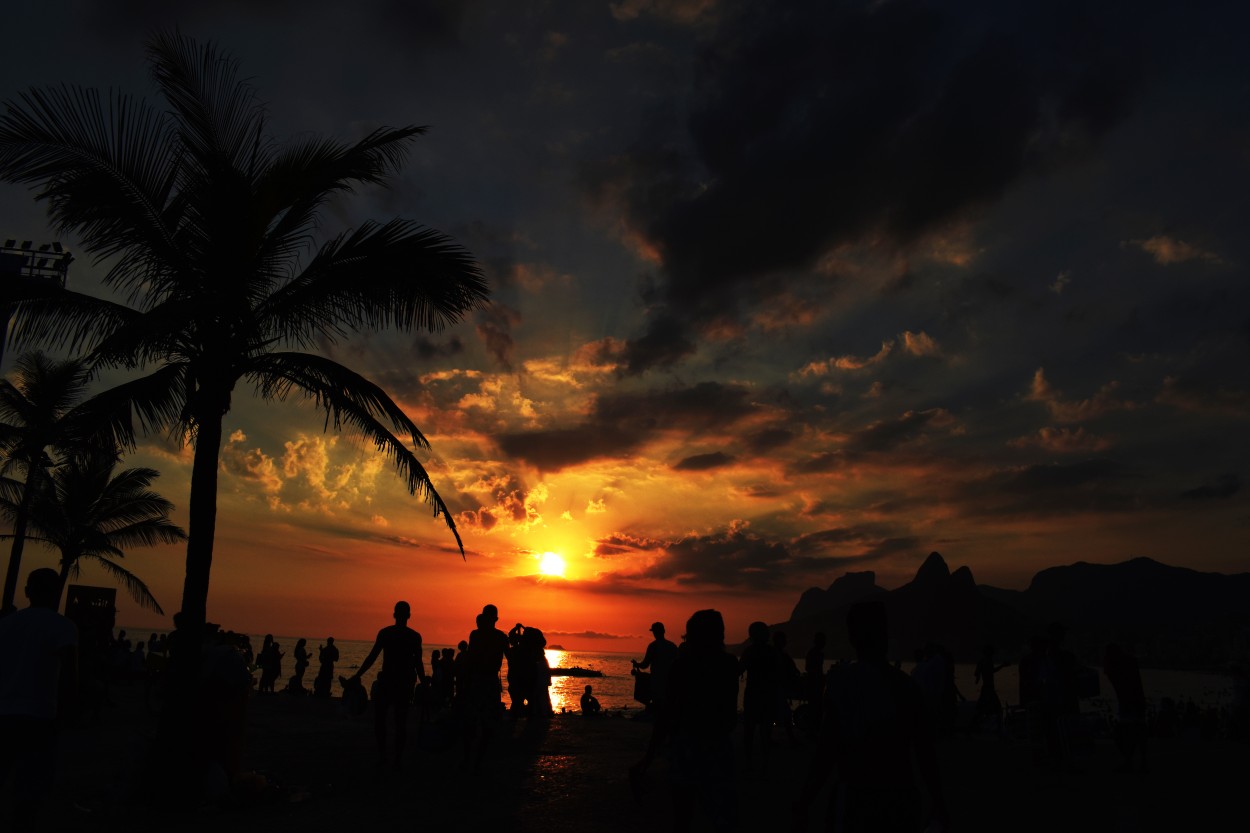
<point>705,631</point>
<point>301,642</point>
<point>268,639</point>
<point>588,689</point>
<point>657,630</point>
<point>491,614</point>
<point>868,630</point>
<point>403,612</point>
<point>758,632</point>
<point>43,587</point>
<point>329,640</point>
<point>462,645</point>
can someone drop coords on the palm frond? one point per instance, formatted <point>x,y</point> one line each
<point>132,583</point>
<point>102,165</point>
<point>68,320</point>
<point>350,399</point>
<point>393,275</point>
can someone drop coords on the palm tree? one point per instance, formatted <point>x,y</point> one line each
<point>89,513</point>
<point>206,223</point>
<point>42,417</point>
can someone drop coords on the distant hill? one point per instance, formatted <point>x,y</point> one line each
<point>1171,616</point>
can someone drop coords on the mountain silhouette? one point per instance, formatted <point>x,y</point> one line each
<point>1170,616</point>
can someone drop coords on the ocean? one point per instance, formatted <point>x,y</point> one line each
<point>615,688</point>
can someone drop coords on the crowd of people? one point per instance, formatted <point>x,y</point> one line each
<point>866,720</point>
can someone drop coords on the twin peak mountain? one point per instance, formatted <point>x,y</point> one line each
<point>1170,616</point>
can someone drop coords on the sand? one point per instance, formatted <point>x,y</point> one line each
<point>569,774</point>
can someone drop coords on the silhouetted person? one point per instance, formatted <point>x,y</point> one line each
<point>296,684</point>
<point>787,684</point>
<point>590,704</point>
<point>38,679</point>
<point>327,655</point>
<point>876,735</point>
<point>761,666</point>
<point>814,681</point>
<point>698,716</point>
<point>400,647</point>
<point>460,675</point>
<point>487,648</point>
<point>1130,731</point>
<point>270,664</point>
<point>988,704</point>
<point>659,658</point>
<point>1060,700</point>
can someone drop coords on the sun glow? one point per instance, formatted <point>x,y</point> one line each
<point>551,564</point>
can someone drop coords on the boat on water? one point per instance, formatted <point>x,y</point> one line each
<point>575,671</point>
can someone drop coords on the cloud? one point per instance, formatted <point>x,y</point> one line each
<point>1203,396</point>
<point>1168,250</point>
<point>704,462</point>
<point>426,348</point>
<point>620,423</point>
<point>1096,485</point>
<point>1063,441</point>
<point>842,122</point>
<point>908,343</point>
<point>494,327</point>
<point>1075,410</point>
<point>252,464</point>
<point>675,11</point>
<point>888,434</point>
<point>1224,486</point>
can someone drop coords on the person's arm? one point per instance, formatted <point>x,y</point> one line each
<point>420,661</point>
<point>373,655</point>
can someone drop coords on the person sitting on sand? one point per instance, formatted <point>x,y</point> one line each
<point>876,735</point>
<point>590,704</point>
<point>400,647</point>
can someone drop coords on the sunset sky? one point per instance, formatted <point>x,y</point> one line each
<point>776,295</point>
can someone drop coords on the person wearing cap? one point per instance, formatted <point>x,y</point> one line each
<point>402,666</point>
<point>38,681</point>
<point>659,658</point>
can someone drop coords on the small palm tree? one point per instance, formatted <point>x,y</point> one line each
<point>206,224</point>
<point>42,418</point>
<point>87,512</point>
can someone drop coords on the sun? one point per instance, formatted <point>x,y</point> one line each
<point>551,564</point>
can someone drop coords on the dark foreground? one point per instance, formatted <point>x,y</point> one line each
<point>569,774</point>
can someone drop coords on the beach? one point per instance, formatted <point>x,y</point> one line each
<point>569,773</point>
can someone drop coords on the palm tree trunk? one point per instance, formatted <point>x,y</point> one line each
<point>13,574</point>
<point>66,563</point>
<point>203,519</point>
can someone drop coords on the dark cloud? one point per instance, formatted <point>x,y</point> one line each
<point>888,434</point>
<point>1226,485</point>
<point>770,439</point>
<point>839,120</point>
<point>620,423</point>
<point>494,327</point>
<point>703,462</point>
<point>427,348</point>
<point>1098,485</point>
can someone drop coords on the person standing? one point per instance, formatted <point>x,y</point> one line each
<point>38,680</point>
<point>487,648</point>
<point>659,659</point>
<point>400,647</point>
